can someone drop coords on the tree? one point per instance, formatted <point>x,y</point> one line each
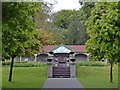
<point>43,14</point>
<point>45,37</point>
<point>104,32</point>
<point>62,18</point>
<point>70,27</point>
<point>71,24</point>
<point>18,30</point>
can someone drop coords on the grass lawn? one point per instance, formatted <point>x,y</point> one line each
<point>97,77</point>
<point>25,77</point>
<point>34,77</point>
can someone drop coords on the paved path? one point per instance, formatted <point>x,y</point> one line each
<point>62,83</point>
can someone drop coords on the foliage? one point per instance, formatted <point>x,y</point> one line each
<point>45,37</point>
<point>19,35</point>
<point>104,34</point>
<point>30,64</point>
<point>6,63</point>
<point>91,63</point>
<point>103,29</point>
<point>24,64</point>
<point>68,25</point>
<point>62,18</point>
<point>18,31</point>
<point>85,10</point>
<point>43,15</point>
<point>68,22</point>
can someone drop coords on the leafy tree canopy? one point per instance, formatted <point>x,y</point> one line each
<point>104,31</point>
<point>18,28</point>
<point>45,37</point>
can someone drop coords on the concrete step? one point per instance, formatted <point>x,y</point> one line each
<point>61,74</point>
<point>61,67</point>
<point>61,70</point>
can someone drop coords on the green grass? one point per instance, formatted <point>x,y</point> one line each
<point>34,77</point>
<point>25,77</point>
<point>97,77</point>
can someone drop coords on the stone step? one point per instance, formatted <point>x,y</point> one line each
<point>61,76</point>
<point>62,67</point>
<point>58,76</point>
<point>61,70</point>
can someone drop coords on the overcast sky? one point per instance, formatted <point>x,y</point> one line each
<point>65,4</point>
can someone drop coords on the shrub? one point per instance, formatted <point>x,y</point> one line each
<point>90,63</point>
<point>8,62</point>
<point>24,64</point>
<point>29,64</point>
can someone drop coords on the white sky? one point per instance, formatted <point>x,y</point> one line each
<point>65,4</point>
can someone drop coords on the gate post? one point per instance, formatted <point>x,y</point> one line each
<point>50,65</point>
<point>72,65</point>
<point>73,69</point>
<point>49,72</point>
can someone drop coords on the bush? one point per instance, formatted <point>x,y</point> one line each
<point>29,64</point>
<point>24,64</point>
<point>90,63</point>
<point>8,62</point>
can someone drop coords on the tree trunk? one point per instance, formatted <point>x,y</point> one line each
<point>11,68</point>
<point>111,74</point>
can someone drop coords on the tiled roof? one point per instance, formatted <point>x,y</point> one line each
<point>75,48</point>
<point>48,48</point>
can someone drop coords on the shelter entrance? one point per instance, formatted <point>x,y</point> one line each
<point>61,63</point>
<point>61,66</point>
